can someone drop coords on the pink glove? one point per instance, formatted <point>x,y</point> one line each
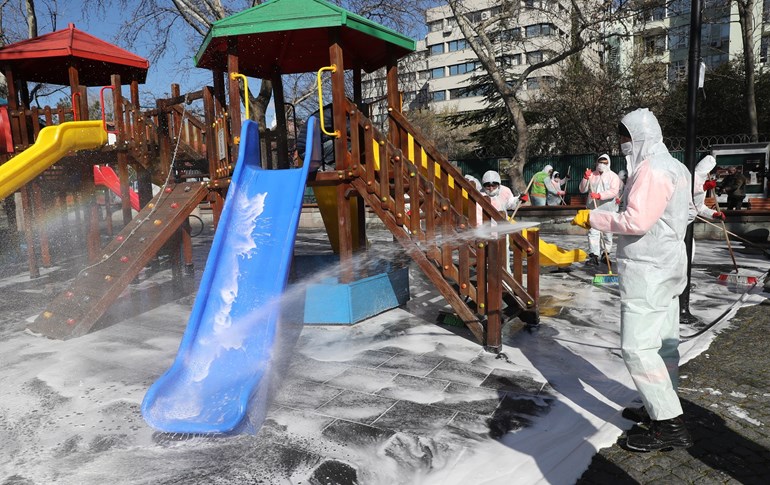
<point>709,184</point>
<point>718,215</point>
<point>617,200</point>
<point>524,198</point>
<point>595,195</point>
<point>561,192</point>
<point>588,173</point>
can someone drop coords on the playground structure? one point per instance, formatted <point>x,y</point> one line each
<point>372,170</point>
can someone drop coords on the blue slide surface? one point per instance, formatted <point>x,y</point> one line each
<point>226,351</point>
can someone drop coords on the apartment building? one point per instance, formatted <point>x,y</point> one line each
<point>661,34</point>
<point>437,74</point>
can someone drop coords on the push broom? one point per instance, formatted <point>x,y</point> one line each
<point>603,279</point>
<point>735,278</point>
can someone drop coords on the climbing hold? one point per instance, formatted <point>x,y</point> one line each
<point>168,190</point>
<point>69,294</point>
<point>174,205</point>
<point>119,238</point>
<point>124,259</point>
<point>70,321</point>
<point>150,205</point>
<point>157,222</point>
<point>47,314</point>
<point>108,278</point>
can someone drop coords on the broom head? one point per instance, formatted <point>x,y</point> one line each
<point>604,279</point>
<point>738,279</point>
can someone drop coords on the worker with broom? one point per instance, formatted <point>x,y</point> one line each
<point>603,187</point>
<point>652,263</point>
<point>702,185</point>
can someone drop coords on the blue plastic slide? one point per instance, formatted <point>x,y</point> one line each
<point>226,352</point>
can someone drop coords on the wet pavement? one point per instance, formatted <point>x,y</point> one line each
<point>395,399</point>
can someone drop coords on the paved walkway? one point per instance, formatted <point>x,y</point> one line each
<point>726,396</point>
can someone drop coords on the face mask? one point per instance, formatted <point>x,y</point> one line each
<point>627,148</point>
<point>602,167</point>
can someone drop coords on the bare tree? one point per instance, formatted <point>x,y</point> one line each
<point>576,27</point>
<point>746,10</point>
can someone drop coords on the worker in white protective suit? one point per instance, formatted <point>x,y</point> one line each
<point>603,187</point>
<point>702,185</point>
<point>652,263</point>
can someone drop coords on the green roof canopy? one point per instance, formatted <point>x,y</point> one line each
<point>292,36</point>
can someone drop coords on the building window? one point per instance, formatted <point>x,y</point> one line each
<point>438,95</point>
<point>677,71</point>
<point>463,68</point>
<point>534,57</point>
<point>435,26</point>
<point>458,93</point>
<point>716,35</point>
<point>437,72</point>
<point>436,49</point>
<point>423,75</point>
<point>533,83</point>
<point>653,44</point>
<point>679,37</point>
<point>510,60</point>
<point>457,45</point>
<point>653,11</point>
<point>539,30</point>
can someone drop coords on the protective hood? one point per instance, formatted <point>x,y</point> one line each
<point>473,180</point>
<point>605,156</point>
<point>646,136</point>
<point>555,175</point>
<point>490,176</point>
<point>706,165</point>
<point>547,168</point>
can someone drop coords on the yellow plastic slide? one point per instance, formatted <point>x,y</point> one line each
<point>553,255</point>
<point>53,143</point>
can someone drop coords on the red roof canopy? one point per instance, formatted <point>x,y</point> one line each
<point>46,59</point>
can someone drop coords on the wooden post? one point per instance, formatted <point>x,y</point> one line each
<point>13,106</point>
<point>234,98</point>
<point>82,103</point>
<point>344,217</point>
<point>122,155</point>
<point>39,210</point>
<point>26,207</point>
<point>209,120</point>
<point>280,118</point>
<point>394,99</point>
<point>494,303</point>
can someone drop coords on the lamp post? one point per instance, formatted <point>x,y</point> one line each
<point>693,75</point>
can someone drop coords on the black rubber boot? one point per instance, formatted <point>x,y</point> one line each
<point>668,433</point>
<point>593,260</point>
<point>637,415</point>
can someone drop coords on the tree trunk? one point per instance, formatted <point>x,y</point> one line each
<point>746,20</point>
<point>31,19</point>
<point>516,170</point>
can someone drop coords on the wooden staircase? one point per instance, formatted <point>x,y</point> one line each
<point>431,209</point>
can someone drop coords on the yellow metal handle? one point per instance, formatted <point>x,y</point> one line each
<point>331,68</point>
<point>235,75</point>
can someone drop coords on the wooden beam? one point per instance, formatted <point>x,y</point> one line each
<point>234,99</point>
<point>280,118</point>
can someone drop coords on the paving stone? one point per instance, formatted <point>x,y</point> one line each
<point>417,389</point>
<point>356,434</point>
<point>362,379</point>
<point>516,382</point>
<point>412,364</point>
<point>369,358</point>
<point>455,371</point>
<point>412,417</point>
<point>315,370</point>
<point>357,406</point>
<point>305,394</point>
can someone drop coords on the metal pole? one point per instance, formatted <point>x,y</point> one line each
<point>693,70</point>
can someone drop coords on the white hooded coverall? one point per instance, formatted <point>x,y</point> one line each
<point>607,185</point>
<point>702,170</point>
<point>652,263</point>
